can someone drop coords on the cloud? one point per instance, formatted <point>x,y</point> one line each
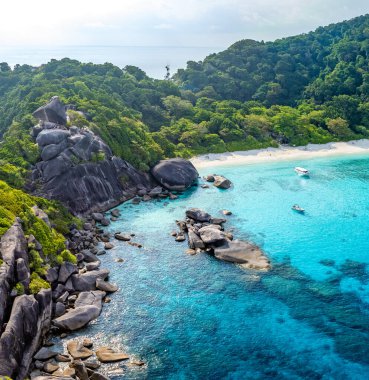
<point>164,26</point>
<point>168,22</point>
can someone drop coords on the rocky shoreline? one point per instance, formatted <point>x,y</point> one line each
<point>75,297</point>
<point>70,172</point>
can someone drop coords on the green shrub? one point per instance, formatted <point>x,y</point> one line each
<point>98,157</point>
<point>19,288</point>
<point>36,263</point>
<point>37,283</point>
<point>66,255</point>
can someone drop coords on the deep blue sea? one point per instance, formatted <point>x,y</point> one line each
<point>151,59</point>
<point>194,317</point>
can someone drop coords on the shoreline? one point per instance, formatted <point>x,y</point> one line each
<point>282,153</point>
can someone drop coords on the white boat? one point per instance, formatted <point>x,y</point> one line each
<point>297,208</point>
<point>302,171</point>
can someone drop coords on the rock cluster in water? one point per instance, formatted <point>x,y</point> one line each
<point>218,181</point>
<point>206,233</point>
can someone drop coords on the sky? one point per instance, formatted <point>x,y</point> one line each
<point>165,22</point>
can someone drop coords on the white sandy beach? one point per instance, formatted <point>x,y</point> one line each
<point>282,153</point>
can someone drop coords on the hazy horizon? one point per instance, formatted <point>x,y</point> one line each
<point>152,23</point>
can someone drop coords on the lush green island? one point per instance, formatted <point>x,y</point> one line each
<point>311,88</point>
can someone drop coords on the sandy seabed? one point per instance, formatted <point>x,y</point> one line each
<point>283,153</point>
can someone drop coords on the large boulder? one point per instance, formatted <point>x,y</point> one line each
<point>90,298</point>
<point>106,286</point>
<point>88,186</point>
<point>222,182</point>
<point>211,234</point>
<point>53,112</point>
<point>52,136</point>
<point>77,318</point>
<point>194,241</point>
<point>175,174</point>
<point>242,252</point>
<point>87,281</point>
<point>51,151</point>
<point>66,270</point>
<point>198,215</point>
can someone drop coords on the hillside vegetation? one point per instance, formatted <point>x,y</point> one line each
<point>308,88</point>
<point>319,65</point>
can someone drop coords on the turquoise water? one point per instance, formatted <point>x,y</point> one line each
<point>193,317</point>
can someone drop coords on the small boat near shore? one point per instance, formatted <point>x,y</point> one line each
<point>298,209</point>
<point>302,171</point>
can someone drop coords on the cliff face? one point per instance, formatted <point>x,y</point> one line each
<point>78,168</point>
<point>24,319</point>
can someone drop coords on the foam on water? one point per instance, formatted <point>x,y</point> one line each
<point>193,317</point>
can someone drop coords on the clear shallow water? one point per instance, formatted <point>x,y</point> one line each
<point>193,317</point>
<point>151,59</point>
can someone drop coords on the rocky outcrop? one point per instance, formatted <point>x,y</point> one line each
<point>13,246</point>
<point>80,170</point>
<point>206,233</point>
<point>77,167</point>
<point>176,174</point>
<point>29,321</point>
<point>25,319</point>
<point>54,112</point>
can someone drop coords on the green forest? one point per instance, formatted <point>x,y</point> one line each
<point>311,88</point>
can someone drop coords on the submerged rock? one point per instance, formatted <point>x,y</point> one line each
<point>108,355</point>
<point>175,174</point>
<point>77,350</point>
<point>121,236</point>
<point>242,252</point>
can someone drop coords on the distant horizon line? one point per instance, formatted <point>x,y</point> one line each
<point>112,46</point>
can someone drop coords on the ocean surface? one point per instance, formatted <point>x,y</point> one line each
<point>194,317</point>
<point>151,59</point>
